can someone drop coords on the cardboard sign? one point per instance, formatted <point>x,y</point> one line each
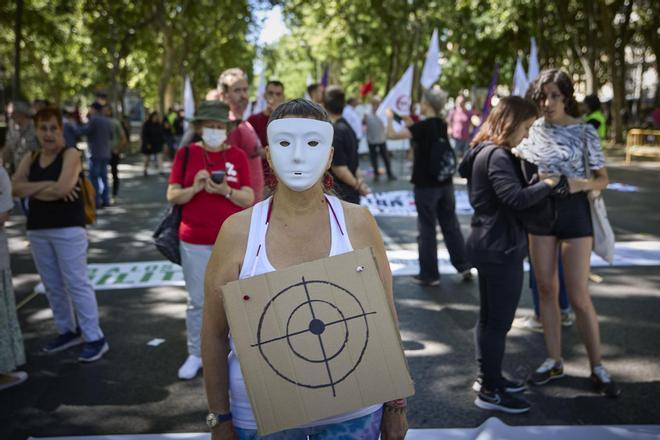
<point>316,340</point>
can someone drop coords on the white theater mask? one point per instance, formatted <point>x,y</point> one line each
<point>299,150</point>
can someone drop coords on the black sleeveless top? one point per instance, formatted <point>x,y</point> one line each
<point>56,213</point>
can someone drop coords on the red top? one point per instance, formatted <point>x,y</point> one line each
<point>245,138</point>
<point>204,214</point>
<point>259,122</point>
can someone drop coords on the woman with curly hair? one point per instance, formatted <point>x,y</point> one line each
<point>558,143</point>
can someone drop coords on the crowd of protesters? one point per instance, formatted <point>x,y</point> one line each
<point>528,200</point>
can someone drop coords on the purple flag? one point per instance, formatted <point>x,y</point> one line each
<point>324,78</point>
<point>489,96</point>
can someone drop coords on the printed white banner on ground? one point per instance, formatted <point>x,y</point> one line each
<point>402,203</point>
<point>114,276</point>
<point>627,253</point>
<point>403,262</point>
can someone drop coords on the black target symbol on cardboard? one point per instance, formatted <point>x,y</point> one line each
<point>317,333</point>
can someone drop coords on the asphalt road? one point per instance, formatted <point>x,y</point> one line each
<point>134,389</point>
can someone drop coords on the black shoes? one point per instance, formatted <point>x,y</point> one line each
<point>425,282</point>
<point>600,378</point>
<point>602,382</point>
<point>500,400</point>
<point>510,386</point>
<point>549,370</point>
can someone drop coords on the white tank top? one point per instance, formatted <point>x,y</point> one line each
<point>255,262</point>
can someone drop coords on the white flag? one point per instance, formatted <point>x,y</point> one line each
<point>431,71</point>
<point>260,105</point>
<point>308,83</point>
<point>188,102</point>
<point>519,79</point>
<point>399,97</point>
<point>533,70</point>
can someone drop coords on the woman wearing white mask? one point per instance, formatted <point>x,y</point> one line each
<point>211,181</point>
<point>299,223</point>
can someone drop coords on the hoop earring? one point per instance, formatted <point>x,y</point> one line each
<point>271,180</point>
<point>328,181</point>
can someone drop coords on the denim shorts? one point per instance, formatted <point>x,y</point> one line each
<point>363,428</point>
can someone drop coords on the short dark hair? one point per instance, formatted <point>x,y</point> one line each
<point>46,113</point>
<point>593,103</point>
<point>564,84</point>
<point>276,83</point>
<point>300,107</point>
<point>504,119</point>
<point>334,100</point>
<point>312,88</point>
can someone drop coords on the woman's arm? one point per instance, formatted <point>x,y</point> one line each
<point>68,179</point>
<point>508,187</point>
<point>404,133</point>
<point>223,267</point>
<point>21,186</point>
<point>598,182</point>
<point>178,195</point>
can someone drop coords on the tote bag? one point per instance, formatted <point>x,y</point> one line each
<point>166,235</point>
<point>603,233</point>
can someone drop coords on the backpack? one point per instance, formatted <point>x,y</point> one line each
<point>442,161</point>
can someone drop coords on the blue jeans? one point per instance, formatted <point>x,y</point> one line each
<point>438,205</point>
<point>363,428</point>
<point>564,305</point>
<point>98,174</point>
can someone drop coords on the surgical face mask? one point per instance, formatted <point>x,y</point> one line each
<point>214,137</point>
<point>299,150</point>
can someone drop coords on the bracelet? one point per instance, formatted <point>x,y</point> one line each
<point>398,403</point>
<point>228,195</point>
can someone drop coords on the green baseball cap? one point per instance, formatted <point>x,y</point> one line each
<point>212,111</point>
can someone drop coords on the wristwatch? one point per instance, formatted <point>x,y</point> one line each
<point>214,419</point>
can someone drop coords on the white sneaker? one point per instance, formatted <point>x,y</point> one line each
<point>8,380</point>
<point>190,367</point>
<point>528,323</point>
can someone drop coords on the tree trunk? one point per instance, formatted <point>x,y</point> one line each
<point>615,70</point>
<point>16,82</point>
<point>168,62</point>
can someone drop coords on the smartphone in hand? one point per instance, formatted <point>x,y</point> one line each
<point>218,176</point>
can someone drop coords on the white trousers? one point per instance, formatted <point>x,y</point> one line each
<point>60,255</point>
<point>194,258</point>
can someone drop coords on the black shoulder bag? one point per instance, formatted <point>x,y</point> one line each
<point>166,236</point>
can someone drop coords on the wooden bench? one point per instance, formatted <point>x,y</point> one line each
<point>642,142</point>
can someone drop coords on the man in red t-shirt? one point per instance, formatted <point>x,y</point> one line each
<point>274,96</point>
<point>233,89</point>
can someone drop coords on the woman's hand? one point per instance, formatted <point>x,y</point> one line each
<point>73,195</point>
<point>394,424</point>
<point>223,431</point>
<point>217,188</point>
<point>549,179</point>
<point>201,178</point>
<point>363,189</point>
<point>578,184</point>
<point>389,114</point>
